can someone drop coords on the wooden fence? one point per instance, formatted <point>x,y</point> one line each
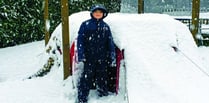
<point>203,29</point>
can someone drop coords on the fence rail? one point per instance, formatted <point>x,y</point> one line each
<point>183,10</point>
<point>189,21</point>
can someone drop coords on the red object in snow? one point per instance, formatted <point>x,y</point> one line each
<point>119,57</point>
<point>72,54</point>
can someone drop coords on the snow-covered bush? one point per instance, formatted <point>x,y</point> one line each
<point>20,21</point>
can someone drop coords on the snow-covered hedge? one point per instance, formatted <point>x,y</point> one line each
<point>21,21</point>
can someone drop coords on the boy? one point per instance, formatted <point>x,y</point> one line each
<point>96,51</point>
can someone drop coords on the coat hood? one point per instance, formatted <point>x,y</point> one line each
<point>99,7</point>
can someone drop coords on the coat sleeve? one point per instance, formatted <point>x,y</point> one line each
<point>111,46</point>
<point>80,43</point>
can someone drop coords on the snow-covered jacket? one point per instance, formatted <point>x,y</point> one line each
<point>95,41</point>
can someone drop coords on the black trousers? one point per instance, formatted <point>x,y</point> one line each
<point>94,74</point>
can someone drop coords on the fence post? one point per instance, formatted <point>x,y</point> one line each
<point>195,18</point>
<point>65,39</point>
<point>140,6</point>
<point>46,21</point>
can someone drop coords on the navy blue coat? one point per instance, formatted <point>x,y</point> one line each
<point>96,48</point>
<point>95,41</point>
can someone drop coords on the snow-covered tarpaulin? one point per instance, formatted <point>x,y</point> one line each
<point>156,73</point>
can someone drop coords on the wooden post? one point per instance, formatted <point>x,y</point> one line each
<point>46,21</point>
<point>140,6</point>
<point>65,38</point>
<point>195,18</point>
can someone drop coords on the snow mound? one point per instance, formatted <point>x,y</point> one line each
<point>156,72</point>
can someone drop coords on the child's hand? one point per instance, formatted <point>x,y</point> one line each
<point>80,65</point>
<point>113,64</point>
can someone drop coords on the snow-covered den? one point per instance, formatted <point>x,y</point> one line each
<point>162,61</point>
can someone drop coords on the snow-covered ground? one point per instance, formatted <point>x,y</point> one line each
<point>155,72</point>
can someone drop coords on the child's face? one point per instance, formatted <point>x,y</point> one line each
<point>97,14</point>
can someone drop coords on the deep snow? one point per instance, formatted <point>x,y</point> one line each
<point>155,72</point>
